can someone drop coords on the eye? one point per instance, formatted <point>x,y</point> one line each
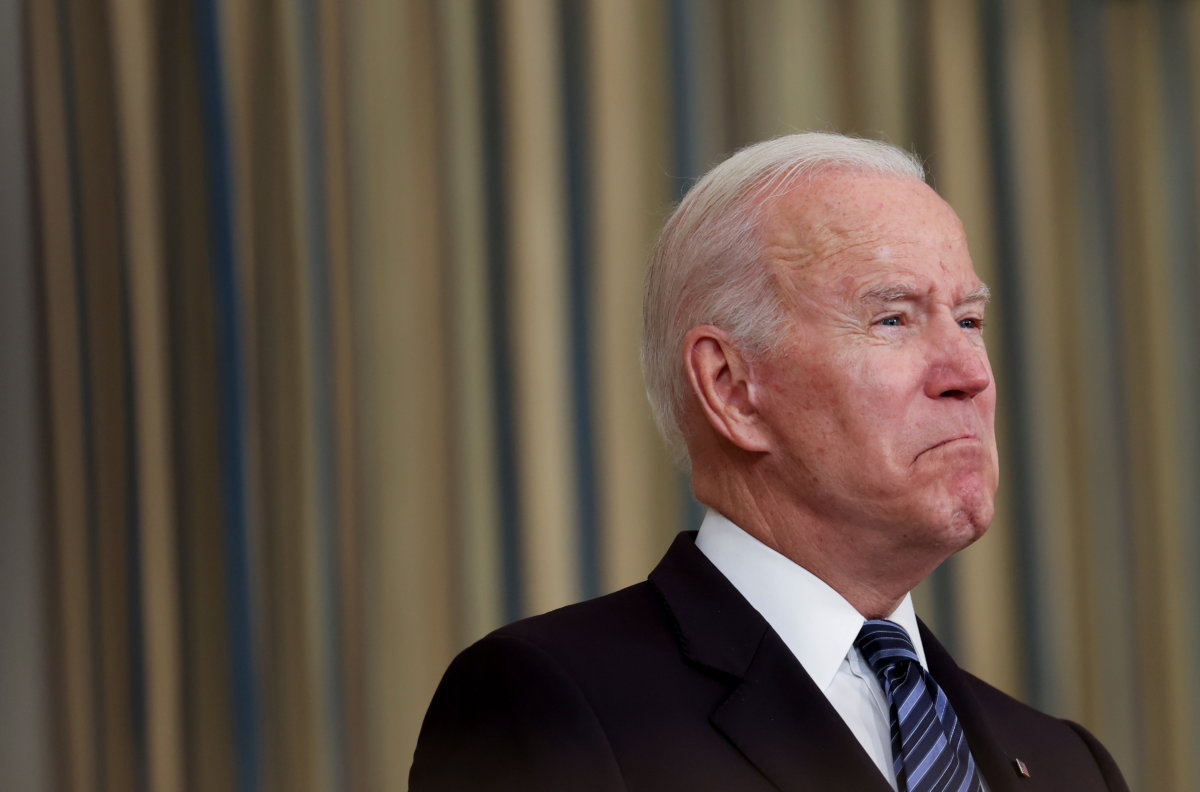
<point>892,321</point>
<point>971,323</point>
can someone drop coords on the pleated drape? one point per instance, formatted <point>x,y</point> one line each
<point>338,312</point>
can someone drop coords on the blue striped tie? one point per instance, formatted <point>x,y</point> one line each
<point>929,749</point>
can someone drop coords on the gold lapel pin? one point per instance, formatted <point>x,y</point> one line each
<point>1021,769</point>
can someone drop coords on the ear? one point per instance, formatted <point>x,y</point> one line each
<point>721,379</point>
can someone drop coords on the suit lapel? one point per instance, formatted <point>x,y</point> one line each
<point>780,720</point>
<point>775,714</point>
<point>990,756</point>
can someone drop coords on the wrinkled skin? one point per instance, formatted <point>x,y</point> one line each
<point>870,429</point>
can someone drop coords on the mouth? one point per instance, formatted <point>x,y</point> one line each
<point>948,441</point>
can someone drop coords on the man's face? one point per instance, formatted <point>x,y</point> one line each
<point>880,399</point>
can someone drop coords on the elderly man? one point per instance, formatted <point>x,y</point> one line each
<point>814,340</point>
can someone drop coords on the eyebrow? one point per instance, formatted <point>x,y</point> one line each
<point>893,292</point>
<point>890,292</point>
<point>982,294</point>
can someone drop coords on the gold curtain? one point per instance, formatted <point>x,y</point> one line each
<point>338,308</point>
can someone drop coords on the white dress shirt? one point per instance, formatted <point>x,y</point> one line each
<point>817,624</point>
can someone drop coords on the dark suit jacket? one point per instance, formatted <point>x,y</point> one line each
<point>679,684</point>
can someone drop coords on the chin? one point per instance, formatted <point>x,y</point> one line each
<point>968,523</point>
<point>971,528</point>
<point>951,523</point>
<point>972,507</point>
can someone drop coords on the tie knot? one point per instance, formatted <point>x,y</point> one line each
<point>884,645</point>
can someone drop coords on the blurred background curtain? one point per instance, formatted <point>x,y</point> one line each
<point>320,350</point>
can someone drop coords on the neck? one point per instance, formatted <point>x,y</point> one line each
<point>873,579</point>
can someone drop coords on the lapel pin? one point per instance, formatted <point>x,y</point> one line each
<point>1021,769</point>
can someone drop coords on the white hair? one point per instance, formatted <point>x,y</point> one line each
<point>707,268</point>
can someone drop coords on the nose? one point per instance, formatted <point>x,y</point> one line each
<point>958,364</point>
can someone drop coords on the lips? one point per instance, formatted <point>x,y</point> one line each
<point>948,441</point>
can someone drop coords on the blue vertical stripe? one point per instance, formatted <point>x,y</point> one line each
<point>313,131</point>
<point>687,165</point>
<point>683,95</point>
<point>1092,112</point>
<point>494,177</point>
<point>1183,206</point>
<point>245,693</point>
<point>1013,331</point>
<point>579,230</point>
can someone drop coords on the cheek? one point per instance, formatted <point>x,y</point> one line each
<point>878,391</point>
<point>842,404</point>
<point>806,404</point>
<point>989,402</point>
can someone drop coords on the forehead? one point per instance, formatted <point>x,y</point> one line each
<point>853,231</point>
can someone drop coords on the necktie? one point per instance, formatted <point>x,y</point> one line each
<point>929,749</point>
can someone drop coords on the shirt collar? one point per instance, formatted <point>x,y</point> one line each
<point>816,623</point>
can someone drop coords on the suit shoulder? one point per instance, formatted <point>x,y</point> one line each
<point>1029,732</point>
<point>996,700</point>
<point>587,646</point>
<point>520,708</point>
<point>626,616</point>
<point>1006,709</point>
<point>511,713</point>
